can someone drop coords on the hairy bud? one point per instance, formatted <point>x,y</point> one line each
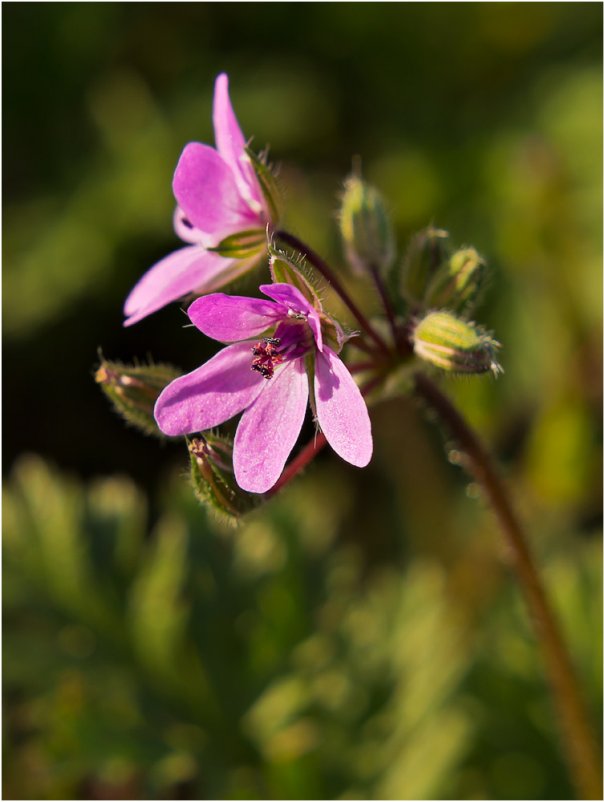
<point>365,227</point>
<point>427,251</point>
<point>458,282</point>
<point>455,345</point>
<point>285,269</point>
<point>133,390</point>
<point>211,458</point>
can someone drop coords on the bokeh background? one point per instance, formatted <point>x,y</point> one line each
<point>360,636</point>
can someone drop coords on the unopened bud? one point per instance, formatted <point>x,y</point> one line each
<point>292,270</point>
<point>455,345</point>
<point>213,480</point>
<point>268,184</point>
<point>427,251</point>
<point>133,390</point>
<point>458,282</point>
<point>365,227</point>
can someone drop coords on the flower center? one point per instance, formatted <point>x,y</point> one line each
<point>267,356</point>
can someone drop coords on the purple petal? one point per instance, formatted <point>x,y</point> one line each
<point>206,190</point>
<point>187,231</point>
<point>230,143</point>
<point>230,318</point>
<point>186,270</point>
<point>269,428</point>
<point>291,298</point>
<point>341,410</point>
<point>215,392</point>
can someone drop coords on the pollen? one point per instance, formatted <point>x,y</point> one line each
<point>267,356</point>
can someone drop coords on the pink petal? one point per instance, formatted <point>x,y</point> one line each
<point>206,190</point>
<point>341,410</point>
<point>230,318</point>
<point>230,143</point>
<point>291,298</point>
<point>186,270</point>
<point>215,392</point>
<point>269,428</point>
<point>187,231</point>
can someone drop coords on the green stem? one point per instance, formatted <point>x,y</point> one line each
<point>578,739</point>
<point>321,265</point>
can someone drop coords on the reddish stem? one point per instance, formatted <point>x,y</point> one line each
<point>299,462</point>
<point>580,745</point>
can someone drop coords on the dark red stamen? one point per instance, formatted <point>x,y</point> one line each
<point>267,356</point>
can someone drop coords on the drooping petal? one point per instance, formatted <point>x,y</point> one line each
<point>210,395</point>
<point>230,143</point>
<point>229,318</point>
<point>205,188</point>
<point>186,270</point>
<point>341,410</point>
<point>292,299</point>
<point>269,428</point>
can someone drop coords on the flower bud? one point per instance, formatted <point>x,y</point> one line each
<point>365,227</point>
<point>268,184</point>
<point>427,251</point>
<point>211,457</point>
<point>133,390</point>
<point>458,282</point>
<point>455,345</point>
<point>286,270</point>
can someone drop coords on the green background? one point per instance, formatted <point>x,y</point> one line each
<point>359,637</point>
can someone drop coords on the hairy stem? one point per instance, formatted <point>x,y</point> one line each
<point>578,739</point>
<point>321,265</point>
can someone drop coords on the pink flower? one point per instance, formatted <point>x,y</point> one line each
<point>218,195</point>
<point>264,375</point>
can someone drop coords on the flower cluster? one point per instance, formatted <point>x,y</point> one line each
<point>283,352</point>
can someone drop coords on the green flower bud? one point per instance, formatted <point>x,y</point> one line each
<point>211,458</point>
<point>458,282</point>
<point>365,227</point>
<point>427,251</point>
<point>243,244</point>
<point>133,390</point>
<point>455,345</point>
<point>286,270</point>
<point>268,184</point>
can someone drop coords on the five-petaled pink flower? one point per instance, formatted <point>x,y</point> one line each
<point>218,195</point>
<point>264,375</point>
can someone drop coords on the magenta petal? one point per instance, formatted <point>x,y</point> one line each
<point>184,271</point>
<point>230,318</point>
<point>206,191</point>
<point>215,392</point>
<point>187,231</point>
<point>269,428</point>
<point>341,410</point>
<point>291,298</point>
<point>230,143</point>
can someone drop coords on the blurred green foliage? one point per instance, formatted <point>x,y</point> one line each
<point>263,662</point>
<point>357,637</point>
